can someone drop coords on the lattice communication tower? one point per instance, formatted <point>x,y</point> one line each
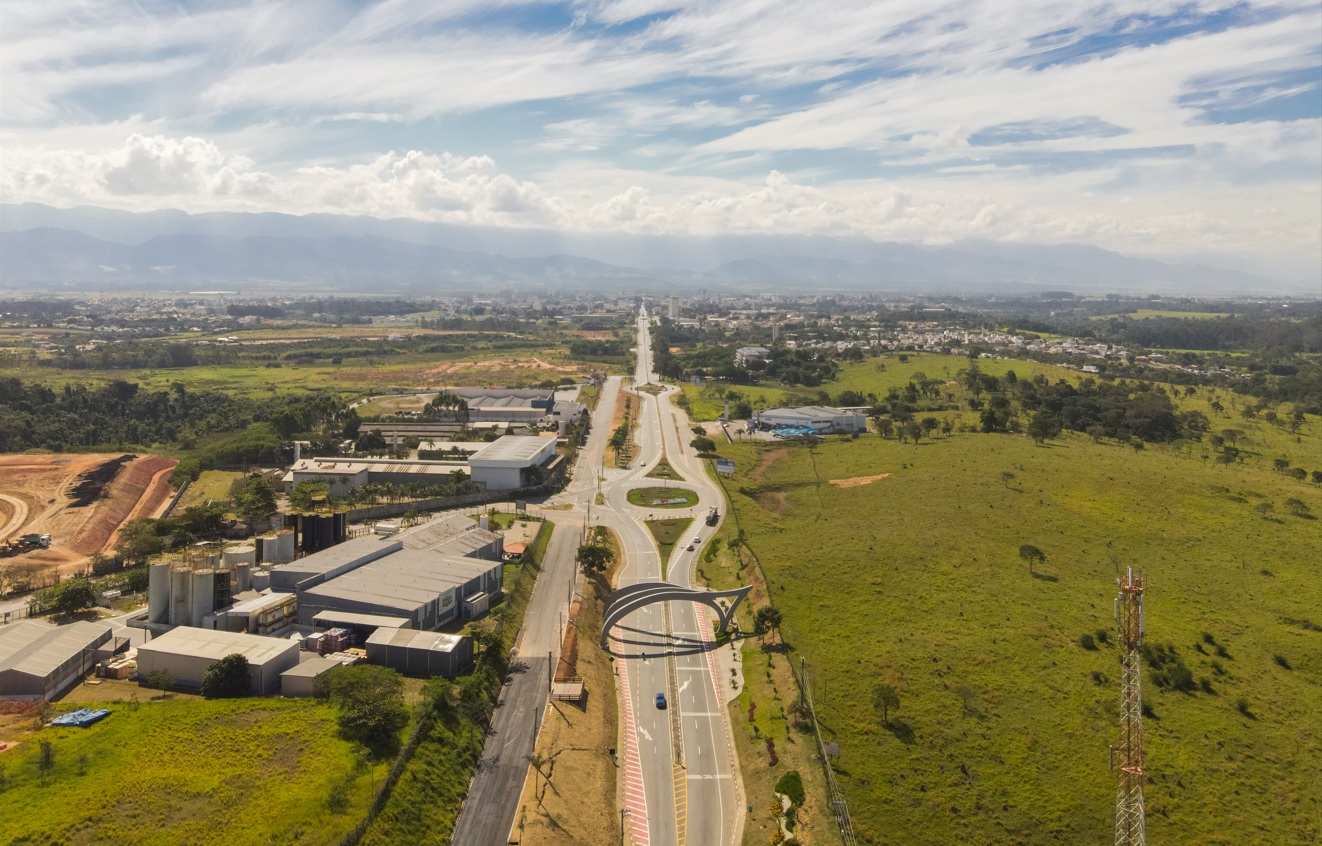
<point>1129,818</point>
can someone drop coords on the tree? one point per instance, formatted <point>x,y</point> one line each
<point>1043,426</point>
<point>885,698</point>
<point>913,430</point>
<point>138,540</point>
<point>73,595</point>
<point>594,558</point>
<point>885,427</point>
<point>305,495</point>
<point>227,678</point>
<point>256,499</point>
<point>1007,477</point>
<point>446,406</point>
<point>1032,555</point>
<point>767,618</point>
<point>370,700</point>
<point>159,679</point>
<point>46,760</point>
<point>703,445</point>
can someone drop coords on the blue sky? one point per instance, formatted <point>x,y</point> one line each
<point>1174,129</point>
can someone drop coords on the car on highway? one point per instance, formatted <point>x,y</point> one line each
<point>661,701</point>
<point>690,547</point>
<point>697,539</point>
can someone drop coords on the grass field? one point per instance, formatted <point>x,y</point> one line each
<point>1005,717</point>
<point>1156,312</point>
<point>651,497</point>
<point>211,484</point>
<point>667,533</point>
<point>190,771</point>
<point>663,470</point>
<point>874,376</point>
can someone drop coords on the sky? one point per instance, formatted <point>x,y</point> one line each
<point>1173,129</point>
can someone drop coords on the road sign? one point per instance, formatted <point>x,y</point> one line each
<point>725,465</point>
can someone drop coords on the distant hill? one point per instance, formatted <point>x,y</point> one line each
<point>85,248</point>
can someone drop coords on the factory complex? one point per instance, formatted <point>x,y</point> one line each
<point>39,660</point>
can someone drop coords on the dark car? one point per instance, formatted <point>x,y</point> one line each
<point>661,701</point>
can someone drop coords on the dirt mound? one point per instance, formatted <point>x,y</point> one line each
<point>132,494</point>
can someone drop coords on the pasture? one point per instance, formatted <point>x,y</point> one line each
<point>1006,709</point>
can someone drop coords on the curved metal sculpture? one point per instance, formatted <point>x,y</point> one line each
<point>626,600</point>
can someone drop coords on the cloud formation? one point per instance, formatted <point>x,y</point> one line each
<point>1156,126</point>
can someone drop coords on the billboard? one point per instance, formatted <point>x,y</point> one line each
<point>725,465</point>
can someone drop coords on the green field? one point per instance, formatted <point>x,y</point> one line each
<point>1140,314</point>
<point>210,485</point>
<point>190,771</point>
<point>874,376</point>
<point>667,533</point>
<point>651,497</point>
<point>1001,737</point>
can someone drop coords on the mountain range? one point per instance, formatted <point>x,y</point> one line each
<point>85,249</point>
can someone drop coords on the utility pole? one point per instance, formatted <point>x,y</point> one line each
<point>1129,815</point>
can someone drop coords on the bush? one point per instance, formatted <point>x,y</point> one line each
<point>791,785</point>
<point>371,704</point>
<point>1087,642</point>
<point>1281,661</point>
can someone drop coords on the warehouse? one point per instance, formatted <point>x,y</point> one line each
<point>316,568</point>
<point>420,653</point>
<point>428,588</point>
<point>187,653</point>
<point>818,418</point>
<point>343,475</point>
<point>527,406</point>
<point>514,461</point>
<point>39,661</point>
<point>301,680</point>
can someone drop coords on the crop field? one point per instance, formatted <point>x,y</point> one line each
<point>190,771</point>
<point>1008,674</point>
<point>875,376</point>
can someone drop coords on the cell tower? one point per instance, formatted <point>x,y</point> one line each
<point>1129,822</point>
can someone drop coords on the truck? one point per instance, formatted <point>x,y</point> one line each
<point>713,516</point>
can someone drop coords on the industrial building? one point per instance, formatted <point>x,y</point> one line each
<point>507,405</point>
<point>328,563</point>
<point>416,653</point>
<point>39,660</point>
<point>301,679</point>
<point>816,418</point>
<point>428,588</point>
<point>509,462</point>
<point>187,653</point>
<point>744,355</point>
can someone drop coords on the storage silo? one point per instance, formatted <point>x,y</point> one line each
<point>240,553</point>
<point>242,576</point>
<point>203,598</point>
<point>284,547</point>
<point>261,579</point>
<point>181,594</point>
<point>158,592</point>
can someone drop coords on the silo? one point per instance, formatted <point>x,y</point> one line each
<point>242,576</point>
<point>261,579</point>
<point>180,594</point>
<point>203,599</point>
<point>284,547</point>
<point>245,553</point>
<point>158,592</point>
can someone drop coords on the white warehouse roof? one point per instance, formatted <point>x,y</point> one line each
<point>214,644</point>
<point>514,451</point>
<point>39,649</point>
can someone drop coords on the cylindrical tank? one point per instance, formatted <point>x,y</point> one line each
<point>284,547</point>
<point>482,521</point>
<point>242,576</point>
<point>181,594</point>
<point>261,579</point>
<point>240,553</point>
<point>158,592</point>
<point>204,589</point>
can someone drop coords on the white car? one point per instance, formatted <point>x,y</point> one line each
<point>698,539</point>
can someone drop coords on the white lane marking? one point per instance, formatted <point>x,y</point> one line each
<point>684,685</point>
<point>644,733</point>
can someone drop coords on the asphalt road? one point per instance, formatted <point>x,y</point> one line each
<point>685,787</point>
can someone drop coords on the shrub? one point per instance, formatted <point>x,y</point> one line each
<point>227,678</point>
<point>791,785</point>
<point>1087,642</point>
<point>1280,659</point>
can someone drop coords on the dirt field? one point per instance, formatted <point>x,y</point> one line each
<point>37,494</point>
<point>856,481</point>
<point>502,364</point>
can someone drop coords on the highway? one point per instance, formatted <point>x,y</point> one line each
<point>681,783</point>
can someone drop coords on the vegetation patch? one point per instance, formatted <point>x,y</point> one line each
<point>189,771</point>
<point>668,533</point>
<point>662,497</point>
<point>663,470</point>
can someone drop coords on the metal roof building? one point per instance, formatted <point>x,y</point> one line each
<point>424,586</point>
<point>509,462</point>
<point>39,660</point>
<point>330,562</point>
<point>819,418</point>
<point>420,653</point>
<point>187,653</point>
